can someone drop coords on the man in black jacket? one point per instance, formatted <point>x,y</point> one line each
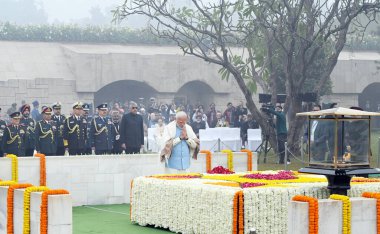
<point>132,131</point>
<point>75,131</point>
<point>46,134</point>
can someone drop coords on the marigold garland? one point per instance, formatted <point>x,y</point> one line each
<point>7,183</point>
<point>10,205</point>
<point>28,191</point>
<point>249,158</point>
<point>130,200</point>
<point>238,213</point>
<point>228,184</point>
<point>230,159</point>
<point>346,207</point>
<point>208,158</point>
<point>42,169</point>
<point>377,197</point>
<point>44,207</point>
<point>241,212</point>
<point>241,179</point>
<point>313,211</point>
<point>14,166</point>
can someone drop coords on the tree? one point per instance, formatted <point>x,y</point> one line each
<point>257,41</point>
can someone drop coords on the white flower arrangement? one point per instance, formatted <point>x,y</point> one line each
<point>192,206</point>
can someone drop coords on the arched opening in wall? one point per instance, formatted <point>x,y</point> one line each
<point>124,90</point>
<point>369,100</point>
<point>195,93</point>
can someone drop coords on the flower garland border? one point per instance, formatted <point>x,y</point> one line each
<point>208,158</point>
<point>7,183</point>
<point>346,208</point>
<point>130,200</point>
<point>44,207</point>
<point>313,212</point>
<point>377,197</point>
<point>14,166</point>
<point>238,213</point>
<point>42,168</point>
<point>230,159</point>
<point>28,191</point>
<point>10,205</point>
<point>249,158</point>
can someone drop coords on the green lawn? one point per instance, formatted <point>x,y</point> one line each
<point>107,219</point>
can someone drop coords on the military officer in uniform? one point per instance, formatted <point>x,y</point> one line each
<point>60,123</point>
<point>102,132</point>
<point>75,131</point>
<point>30,126</point>
<point>88,118</point>
<point>116,149</point>
<point>46,134</point>
<point>3,126</point>
<point>14,136</point>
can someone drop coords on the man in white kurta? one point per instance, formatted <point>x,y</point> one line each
<point>180,144</point>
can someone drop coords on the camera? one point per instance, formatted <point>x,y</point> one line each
<point>266,106</point>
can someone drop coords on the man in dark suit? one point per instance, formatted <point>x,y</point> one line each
<point>132,131</point>
<point>14,136</point>
<point>46,134</point>
<point>60,123</point>
<point>75,131</point>
<point>102,132</point>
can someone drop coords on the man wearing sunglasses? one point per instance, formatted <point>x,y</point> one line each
<point>132,131</point>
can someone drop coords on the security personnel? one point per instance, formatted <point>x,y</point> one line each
<point>46,134</point>
<point>116,149</point>
<point>14,136</point>
<point>88,118</point>
<point>75,131</point>
<point>3,126</point>
<point>102,132</point>
<point>60,123</point>
<point>30,126</point>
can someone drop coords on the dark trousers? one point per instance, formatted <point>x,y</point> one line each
<point>29,152</point>
<point>87,151</point>
<point>281,139</point>
<point>76,151</point>
<point>100,152</point>
<point>60,151</point>
<point>132,150</point>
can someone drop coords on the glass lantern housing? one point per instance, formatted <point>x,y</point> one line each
<point>339,138</point>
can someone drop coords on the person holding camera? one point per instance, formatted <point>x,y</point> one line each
<point>281,131</point>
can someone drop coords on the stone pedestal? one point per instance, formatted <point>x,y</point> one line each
<point>59,212</point>
<point>363,219</point>
<point>3,209</point>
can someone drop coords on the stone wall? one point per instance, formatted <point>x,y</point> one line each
<point>104,179</point>
<point>52,72</point>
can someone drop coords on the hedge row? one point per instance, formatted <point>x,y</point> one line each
<point>120,35</point>
<point>75,33</point>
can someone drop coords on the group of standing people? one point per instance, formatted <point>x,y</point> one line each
<point>78,134</point>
